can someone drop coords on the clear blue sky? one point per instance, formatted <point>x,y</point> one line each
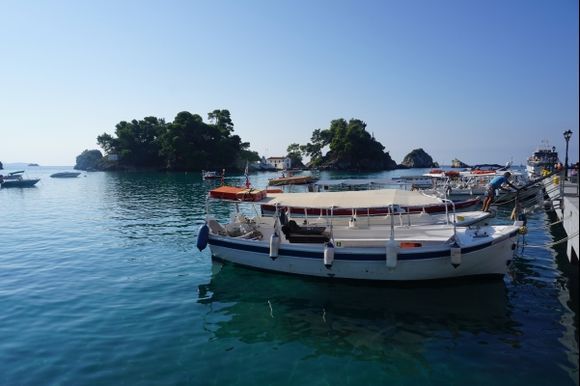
<point>483,81</point>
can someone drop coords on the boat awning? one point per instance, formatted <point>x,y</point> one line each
<point>379,198</point>
<point>356,182</point>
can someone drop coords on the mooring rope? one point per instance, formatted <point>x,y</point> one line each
<point>572,236</point>
<point>559,221</point>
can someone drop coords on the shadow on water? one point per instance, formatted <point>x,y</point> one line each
<point>346,319</point>
<point>568,281</point>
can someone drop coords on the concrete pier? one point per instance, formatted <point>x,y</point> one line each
<point>564,198</point>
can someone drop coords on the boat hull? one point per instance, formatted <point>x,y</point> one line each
<point>490,258</point>
<point>20,183</point>
<point>300,180</point>
<point>65,175</point>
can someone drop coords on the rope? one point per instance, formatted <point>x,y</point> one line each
<point>572,236</point>
<point>559,221</point>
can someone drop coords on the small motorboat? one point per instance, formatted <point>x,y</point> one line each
<point>211,175</point>
<point>16,180</point>
<point>289,179</point>
<point>65,175</point>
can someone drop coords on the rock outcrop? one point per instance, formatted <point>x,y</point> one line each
<point>458,164</point>
<point>90,160</point>
<point>418,158</point>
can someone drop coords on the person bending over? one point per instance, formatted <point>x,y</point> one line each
<point>497,182</point>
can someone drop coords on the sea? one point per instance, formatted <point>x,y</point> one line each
<point>101,284</point>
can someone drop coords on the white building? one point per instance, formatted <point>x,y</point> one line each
<point>280,163</point>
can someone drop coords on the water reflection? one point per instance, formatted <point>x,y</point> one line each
<point>154,207</point>
<point>337,318</point>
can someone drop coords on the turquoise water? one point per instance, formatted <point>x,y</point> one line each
<point>100,284</point>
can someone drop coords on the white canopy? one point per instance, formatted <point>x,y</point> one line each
<point>355,182</point>
<point>352,199</point>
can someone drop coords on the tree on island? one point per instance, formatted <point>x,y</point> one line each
<point>137,143</point>
<point>187,143</point>
<point>350,147</point>
<point>295,154</point>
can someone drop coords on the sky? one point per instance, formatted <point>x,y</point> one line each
<point>481,81</point>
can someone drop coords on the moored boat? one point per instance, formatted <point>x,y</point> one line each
<point>211,175</point>
<point>65,175</point>
<point>291,180</point>
<point>545,158</point>
<point>16,180</point>
<point>387,251</point>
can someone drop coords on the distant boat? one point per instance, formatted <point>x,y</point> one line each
<point>65,175</point>
<point>211,175</point>
<point>15,180</point>
<point>291,180</point>
<point>33,165</point>
<point>544,158</point>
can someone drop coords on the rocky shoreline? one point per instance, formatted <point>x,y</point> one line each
<point>93,160</point>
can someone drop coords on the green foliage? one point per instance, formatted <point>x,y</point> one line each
<point>187,143</point>
<point>350,147</point>
<point>295,154</point>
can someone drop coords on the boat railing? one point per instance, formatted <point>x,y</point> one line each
<point>447,202</point>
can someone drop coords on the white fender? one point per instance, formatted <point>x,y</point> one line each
<point>352,223</point>
<point>392,251</point>
<point>328,254</point>
<point>274,245</point>
<point>455,256</point>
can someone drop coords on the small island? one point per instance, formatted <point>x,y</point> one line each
<point>189,144</point>
<point>418,158</point>
<point>455,163</point>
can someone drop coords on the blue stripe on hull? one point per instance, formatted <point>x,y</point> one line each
<point>346,256</point>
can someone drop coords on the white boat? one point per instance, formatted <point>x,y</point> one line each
<point>387,251</point>
<point>473,183</point>
<point>544,158</point>
<point>65,175</point>
<point>16,180</point>
<point>211,175</point>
